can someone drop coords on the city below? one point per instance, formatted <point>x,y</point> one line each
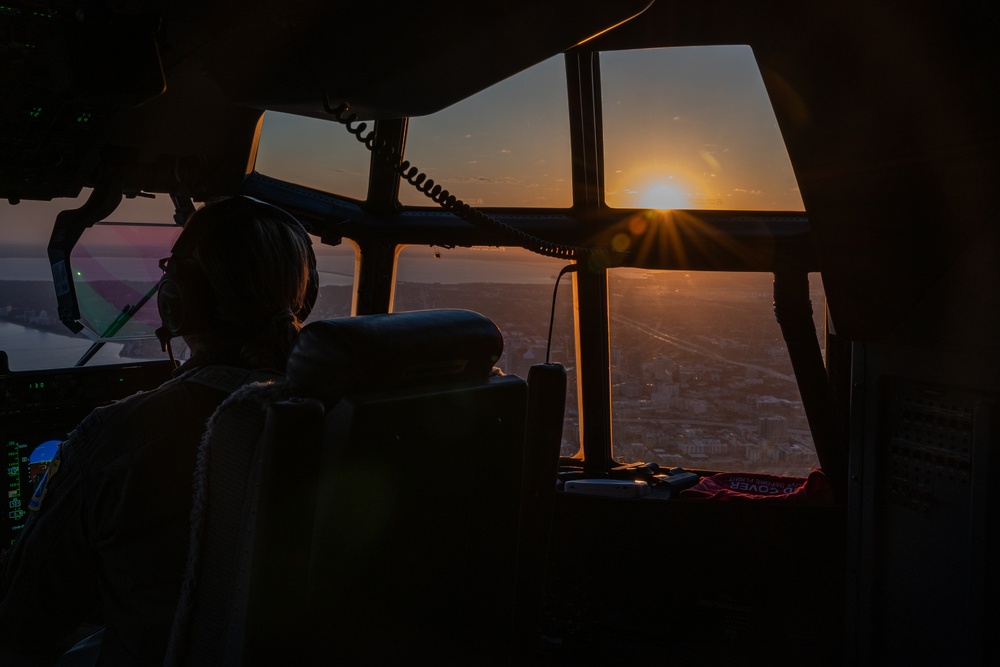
<point>700,375</point>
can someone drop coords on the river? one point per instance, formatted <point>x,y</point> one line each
<point>32,349</point>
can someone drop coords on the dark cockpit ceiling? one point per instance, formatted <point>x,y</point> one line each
<point>164,89</point>
<point>174,89</point>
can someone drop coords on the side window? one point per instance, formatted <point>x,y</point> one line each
<point>511,286</point>
<point>692,128</point>
<point>701,376</point>
<point>336,266</point>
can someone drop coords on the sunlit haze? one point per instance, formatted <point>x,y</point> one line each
<point>663,196</point>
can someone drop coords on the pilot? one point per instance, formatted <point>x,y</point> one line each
<point>106,541</point>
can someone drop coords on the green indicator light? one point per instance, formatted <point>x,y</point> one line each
<point>35,112</point>
<point>83,118</point>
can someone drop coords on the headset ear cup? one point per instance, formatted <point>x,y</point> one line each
<point>312,286</point>
<point>184,299</point>
<point>170,302</point>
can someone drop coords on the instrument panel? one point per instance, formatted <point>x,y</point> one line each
<point>39,409</point>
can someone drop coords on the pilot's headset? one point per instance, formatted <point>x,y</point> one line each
<point>185,297</point>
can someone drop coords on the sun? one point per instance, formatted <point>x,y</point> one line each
<point>663,196</point>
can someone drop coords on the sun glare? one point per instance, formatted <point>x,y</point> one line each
<point>663,196</point>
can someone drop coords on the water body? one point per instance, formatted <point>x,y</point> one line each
<point>31,349</point>
<point>416,264</point>
<point>25,268</point>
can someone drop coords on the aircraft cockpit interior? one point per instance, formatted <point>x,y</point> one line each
<point>645,330</point>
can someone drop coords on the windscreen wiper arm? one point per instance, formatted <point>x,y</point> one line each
<point>128,312</point>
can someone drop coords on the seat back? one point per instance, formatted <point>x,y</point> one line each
<point>364,509</point>
<point>415,543</point>
<point>251,530</point>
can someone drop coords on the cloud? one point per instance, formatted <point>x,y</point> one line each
<point>710,159</point>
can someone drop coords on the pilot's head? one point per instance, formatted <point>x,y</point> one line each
<point>239,281</point>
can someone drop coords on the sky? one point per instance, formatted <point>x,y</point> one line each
<point>701,135</point>
<point>683,128</point>
<point>31,221</point>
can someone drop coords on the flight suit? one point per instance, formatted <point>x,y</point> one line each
<point>108,531</point>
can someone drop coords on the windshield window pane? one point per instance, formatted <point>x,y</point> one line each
<point>701,376</point>
<point>318,154</point>
<point>505,146</point>
<point>511,286</point>
<point>692,128</point>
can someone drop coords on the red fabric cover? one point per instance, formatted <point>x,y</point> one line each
<point>813,489</point>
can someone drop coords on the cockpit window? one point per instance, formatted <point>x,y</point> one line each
<point>505,146</point>
<point>315,153</point>
<point>701,376</point>
<point>511,286</point>
<point>114,266</point>
<point>115,270</point>
<point>337,266</point>
<point>692,128</point>
<point>29,324</point>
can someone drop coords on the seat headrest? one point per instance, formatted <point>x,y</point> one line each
<point>335,357</point>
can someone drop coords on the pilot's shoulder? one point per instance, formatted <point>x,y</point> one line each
<point>228,378</point>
